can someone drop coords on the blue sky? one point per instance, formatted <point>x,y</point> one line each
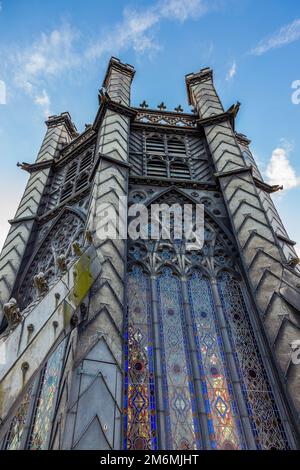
<point>53,56</point>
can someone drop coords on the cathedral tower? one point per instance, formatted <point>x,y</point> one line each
<point>117,343</point>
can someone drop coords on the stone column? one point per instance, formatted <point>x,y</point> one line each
<point>60,131</point>
<point>274,285</point>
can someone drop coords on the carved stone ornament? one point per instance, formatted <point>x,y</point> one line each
<point>12,313</point>
<point>62,263</point>
<point>41,283</point>
<point>77,248</point>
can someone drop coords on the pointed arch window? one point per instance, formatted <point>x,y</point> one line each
<point>179,394</point>
<point>68,228</point>
<point>220,404</point>
<point>140,419</point>
<point>266,423</point>
<point>42,421</point>
<point>31,425</point>
<point>209,370</point>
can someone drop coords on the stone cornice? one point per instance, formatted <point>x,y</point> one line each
<point>107,103</point>
<point>20,220</point>
<point>159,181</point>
<point>285,239</point>
<point>242,139</point>
<point>83,139</point>
<point>267,187</point>
<point>34,167</point>
<point>110,159</point>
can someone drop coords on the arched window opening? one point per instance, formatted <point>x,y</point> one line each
<point>154,145</point>
<point>140,419</point>
<point>157,167</point>
<point>176,147</point>
<point>31,424</point>
<point>180,170</point>
<point>220,404</point>
<point>192,292</point>
<point>267,428</point>
<point>179,394</point>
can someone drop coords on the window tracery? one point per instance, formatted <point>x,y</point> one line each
<point>68,229</point>
<point>169,265</point>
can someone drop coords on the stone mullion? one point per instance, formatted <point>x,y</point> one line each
<point>235,379</point>
<point>205,439</point>
<point>159,387</point>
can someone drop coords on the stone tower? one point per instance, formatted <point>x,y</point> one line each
<point>115,343</point>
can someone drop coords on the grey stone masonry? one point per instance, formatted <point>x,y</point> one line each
<point>275,284</point>
<point>103,336</point>
<point>60,131</point>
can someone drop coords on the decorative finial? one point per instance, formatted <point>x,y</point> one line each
<point>144,104</point>
<point>162,106</point>
<point>179,109</point>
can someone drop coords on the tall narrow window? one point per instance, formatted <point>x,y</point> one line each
<point>220,405</point>
<point>17,428</point>
<point>182,425</point>
<point>140,419</point>
<point>267,427</point>
<point>43,415</point>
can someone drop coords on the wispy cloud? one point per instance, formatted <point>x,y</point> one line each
<point>2,92</point>
<point>280,170</point>
<point>285,35</point>
<point>232,71</point>
<point>49,56</point>
<point>59,51</point>
<point>136,30</point>
<point>43,100</point>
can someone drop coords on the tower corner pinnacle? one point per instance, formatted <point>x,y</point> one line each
<point>63,118</point>
<point>117,65</point>
<point>204,75</point>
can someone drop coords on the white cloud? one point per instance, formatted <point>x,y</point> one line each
<point>55,53</point>
<point>183,9</point>
<point>137,28</point>
<point>48,56</point>
<point>279,169</point>
<point>232,71</point>
<point>286,35</point>
<point>2,92</point>
<point>43,100</point>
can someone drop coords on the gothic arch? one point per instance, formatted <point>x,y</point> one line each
<point>67,228</point>
<point>194,318</point>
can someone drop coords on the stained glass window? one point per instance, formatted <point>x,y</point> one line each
<point>220,405</point>
<point>182,425</point>
<point>43,415</point>
<point>140,419</point>
<point>17,427</point>
<point>266,424</point>
<point>186,298</point>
